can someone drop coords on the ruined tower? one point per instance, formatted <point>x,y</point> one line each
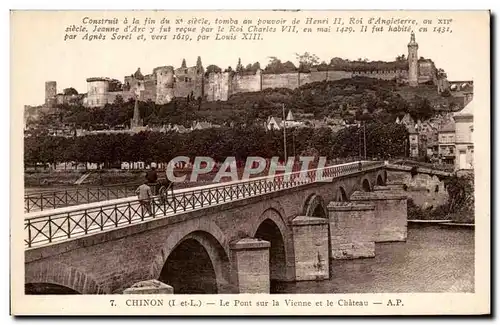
<point>164,84</point>
<point>50,93</point>
<point>413,61</point>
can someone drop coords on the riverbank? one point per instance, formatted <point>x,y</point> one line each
<point>449,223</point>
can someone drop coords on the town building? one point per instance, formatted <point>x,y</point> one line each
<point>464,137</point>
<point>446,142</point>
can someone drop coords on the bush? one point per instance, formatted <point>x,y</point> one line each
<point>460,205</point>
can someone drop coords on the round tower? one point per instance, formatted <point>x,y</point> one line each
<point>97,92</point>
<point>413,61</point>
<point>164,84</point>
<point>50,93</point>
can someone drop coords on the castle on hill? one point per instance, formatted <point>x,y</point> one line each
<point>166,83</point>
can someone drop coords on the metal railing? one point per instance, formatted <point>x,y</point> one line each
<point>57,225</point>
<point>51,200</point>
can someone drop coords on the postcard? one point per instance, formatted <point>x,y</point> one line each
<point>272,162</point>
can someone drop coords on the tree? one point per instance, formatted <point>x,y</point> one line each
<point>183,65</point>
<point>307,60</point>
<point>199,66</point>
<point>256,66</point>
<point>213,68</point>
<point>70,91</point>
<point>460,197</point>
<point>119,100</point>
<point>274,65</point>
<point>421,108</point>
<point>401,57</point>
<point>239,66</point>
<point>446,93</point>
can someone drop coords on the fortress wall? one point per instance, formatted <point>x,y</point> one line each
<point>384,75</point>
<point>304,78</point>
<point>315,76</point>
<point>337,75</point>
<point>423,79</point>
<point>217,86</point>
<point>149,90</point>
<point>198,86</point>
<point>246,83</point>
<point>284,80</point>
<point>184,88</point>
<point>427,69</point>
<point>126,95</point>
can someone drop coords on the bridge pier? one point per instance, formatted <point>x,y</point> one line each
<point>149,287</point>
<point>352,230</point>
<point>310,242</point>
<point>250,265</point>
<point>390,213</point>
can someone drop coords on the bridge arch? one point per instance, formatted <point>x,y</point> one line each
<point>365,185</point>
<point>271,227</point>
<point>194,260</point>
<point>380,180</point>
<point>314,206</point>
<point>342,195</point>
<point>58,278</point>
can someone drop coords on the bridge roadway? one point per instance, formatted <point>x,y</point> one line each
<point>62,224</point>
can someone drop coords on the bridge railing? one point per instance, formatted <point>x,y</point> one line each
<point>51,200</point>
<point>57,225</point>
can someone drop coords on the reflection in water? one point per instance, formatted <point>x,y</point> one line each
<point>433,259</point>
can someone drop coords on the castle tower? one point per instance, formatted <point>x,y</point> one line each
<point>50,93</point>
<point>97,91</point>
<point>164,84</point>
<point>413,61</point>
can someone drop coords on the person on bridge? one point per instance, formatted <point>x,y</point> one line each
<point>152,178</point>
<point>144,194</point>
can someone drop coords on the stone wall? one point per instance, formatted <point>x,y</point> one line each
<point>352,230</point>
<point>283,80</point>
<point>247,83</point>
<point>384,75</point>
<point>390,213</point>
<point>424,189</point>
<point>218,86</point>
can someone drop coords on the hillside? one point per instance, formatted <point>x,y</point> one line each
<point>358,98</point>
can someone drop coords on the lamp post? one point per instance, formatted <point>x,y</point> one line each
<point>364,137</point>
<point>284,131</point>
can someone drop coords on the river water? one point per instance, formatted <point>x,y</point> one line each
<point>433,259</point>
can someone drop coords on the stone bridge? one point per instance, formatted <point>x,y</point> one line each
<point>203,241</point>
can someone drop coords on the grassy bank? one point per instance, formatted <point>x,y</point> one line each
<point>439,213</point>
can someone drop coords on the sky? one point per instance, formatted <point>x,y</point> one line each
<point>39,52</point>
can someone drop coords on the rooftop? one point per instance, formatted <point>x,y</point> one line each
<point>468,110</point>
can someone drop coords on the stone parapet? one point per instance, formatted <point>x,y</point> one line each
<point>378,195</point>
<point>310,241</point>
<point>352,230</point>
<point>250,259</point>
<point>390,213</point>
<point>149,287</point>
<point>382,188</point>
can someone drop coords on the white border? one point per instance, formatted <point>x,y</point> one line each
<point>91,4</point>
